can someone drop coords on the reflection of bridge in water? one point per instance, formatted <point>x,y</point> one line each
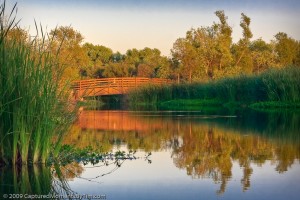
<point>145,121</point>
<point>112,86</point>
<point>118,121</point>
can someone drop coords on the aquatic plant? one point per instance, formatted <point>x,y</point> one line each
<point>35,110</point>
<point>281,85</point>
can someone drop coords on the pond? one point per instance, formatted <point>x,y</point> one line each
<point>178,155</point>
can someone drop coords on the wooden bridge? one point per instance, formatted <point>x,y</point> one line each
<point>112,86</point>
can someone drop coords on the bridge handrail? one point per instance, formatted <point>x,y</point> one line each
<point>116,82</point>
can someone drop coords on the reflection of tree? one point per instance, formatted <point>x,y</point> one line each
<point>205,154</point>
<point>285,156</point>
<point>203,148</point>
<point>209,151</point>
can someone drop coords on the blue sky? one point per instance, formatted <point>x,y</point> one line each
<point>125,24</point>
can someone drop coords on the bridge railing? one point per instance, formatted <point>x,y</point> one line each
<point>119,84</point>
<point>125,82</point>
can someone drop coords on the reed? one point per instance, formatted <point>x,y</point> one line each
<point>34,110</point>
<point>279,85</point>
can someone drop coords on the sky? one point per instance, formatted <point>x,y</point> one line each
<point>126,24</point>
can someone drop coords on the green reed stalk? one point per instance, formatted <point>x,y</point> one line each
<point>34,110</point>
<point>281,85</point>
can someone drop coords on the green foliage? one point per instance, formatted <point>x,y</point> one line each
<point>144,63</point>
<point>286,48</point>
<point>207,53</point>
<point>32,100</point>
<point>72,56</point>
<point>281,85</point>
<point>98,54</point>
<point>69,154</point>
<point>263,55</point>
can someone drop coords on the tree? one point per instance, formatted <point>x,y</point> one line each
<point>286,49</point>
<point>224,40</point>
<point>117,57</point>
<point>241,49</point>
<point>146,62</point>
<point>145,70</point>
<point>132,57</point>
<point>99,55</point>
<point>154,61</point>
<point>205,52</point>
<point>164,70</point>
<point>263,55</point>
<point>18,34</point>
<point>197,53</point>
<point>72,55</point>
<point>114,69</point>
<point>204,41</point>
<point>185,54</point>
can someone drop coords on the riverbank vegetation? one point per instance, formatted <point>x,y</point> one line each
<point>35,111</point>
<point>272,88</point>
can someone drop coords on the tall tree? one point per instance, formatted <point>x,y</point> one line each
<point>184,52</point>
<point>241,50</point>
<point>286,49</point>
<point>263,55</point>
<point>224,40</point>
<point>205,52</point>
<point>72,55</point>
<point>99,55</point>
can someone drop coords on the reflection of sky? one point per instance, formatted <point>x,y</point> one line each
<point>126,24</point>
<point>163,180</point>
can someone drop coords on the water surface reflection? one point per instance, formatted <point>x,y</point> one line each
<point>235,155</point>
<point>206,147</point>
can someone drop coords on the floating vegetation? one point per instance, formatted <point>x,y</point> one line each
<point>88,155</point>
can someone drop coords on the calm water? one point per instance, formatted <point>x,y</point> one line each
<point>195,155</point>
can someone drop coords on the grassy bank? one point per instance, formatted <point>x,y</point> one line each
<point>279,86</point>
<point>34,110</point>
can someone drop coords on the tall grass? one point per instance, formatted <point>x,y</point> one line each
<point>34,111</point>
<point>282,85</point>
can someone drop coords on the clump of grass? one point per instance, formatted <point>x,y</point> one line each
<point>33,101</point>
<point>149,94</point>
<point>281,85</point>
